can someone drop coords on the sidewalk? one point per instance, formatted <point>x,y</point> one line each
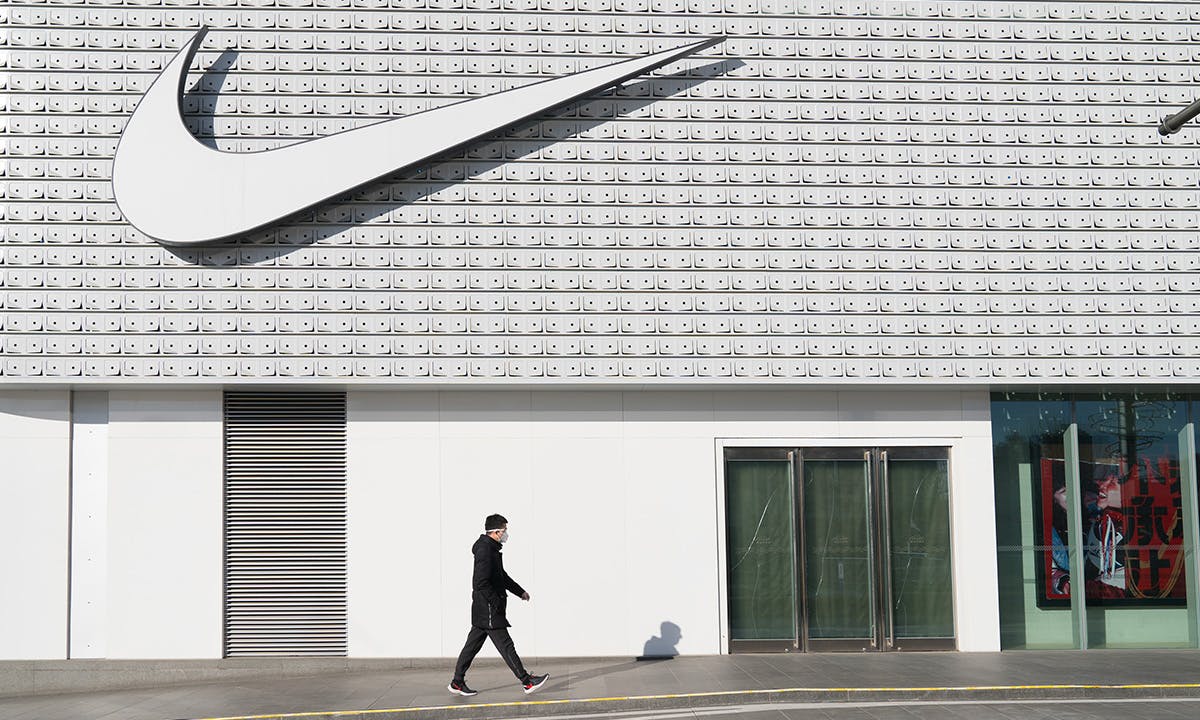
<point>616,684</point>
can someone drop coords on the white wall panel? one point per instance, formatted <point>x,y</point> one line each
<point>583,550</point>
<point>393,525</point>
<point>89,525</point>
<point>795,412</point>
<point>671,518</point>
<point>870,193</point>
<point>165,519</point>
<point>973,530</point>
<point>34,524</point>
<point>672,537</point>
<point>914,413</point>
<point>483,475</point>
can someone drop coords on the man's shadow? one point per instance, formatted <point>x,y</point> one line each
<point>662,646</point>
<point>657,648</point>
<point>339,215</point>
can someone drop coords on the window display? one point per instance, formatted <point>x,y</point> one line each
<point>1131,518</point>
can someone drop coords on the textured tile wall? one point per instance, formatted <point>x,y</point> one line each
<point>842,191</point>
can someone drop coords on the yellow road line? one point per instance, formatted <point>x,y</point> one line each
<point>716,693</point>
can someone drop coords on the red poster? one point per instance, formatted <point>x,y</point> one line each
<point>1132,533</point>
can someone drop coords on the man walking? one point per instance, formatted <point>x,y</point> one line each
<point>489,585</point>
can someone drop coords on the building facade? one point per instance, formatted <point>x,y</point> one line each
<point>872,327</point>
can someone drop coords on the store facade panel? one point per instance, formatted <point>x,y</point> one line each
<point>35,442</point>
<point>165,524</point>
<point>872,193</point>
<point>89,533</point>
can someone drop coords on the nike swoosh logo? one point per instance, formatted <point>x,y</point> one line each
<point>179,191</point>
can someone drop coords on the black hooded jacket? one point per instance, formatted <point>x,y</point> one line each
<point>489,583</point>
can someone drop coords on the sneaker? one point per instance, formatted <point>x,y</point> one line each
<point>533,682</point>
<point>460,688</point>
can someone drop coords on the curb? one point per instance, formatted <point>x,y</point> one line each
<point>534,708</point>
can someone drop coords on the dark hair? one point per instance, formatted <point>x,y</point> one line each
<point>494,522</point>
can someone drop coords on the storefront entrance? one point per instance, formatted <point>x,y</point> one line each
<point>838,549</point>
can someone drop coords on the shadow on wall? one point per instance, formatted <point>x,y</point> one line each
<point>200,102</point>
<point>340,215</point>
<point>662,646</point>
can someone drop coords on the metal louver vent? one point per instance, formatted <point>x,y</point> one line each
<point>285,523</point>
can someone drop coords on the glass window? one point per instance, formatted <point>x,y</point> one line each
<point>1027,454</point>
<point>1131,513</point>
<point>1132,522</point>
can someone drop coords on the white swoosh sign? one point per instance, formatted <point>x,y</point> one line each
<point>181,192</point>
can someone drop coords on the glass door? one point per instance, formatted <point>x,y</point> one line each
<point>916,532</point>
<point>839,549</point>
<point>761,549</point>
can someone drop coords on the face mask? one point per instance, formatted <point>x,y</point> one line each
<point>503,537</point>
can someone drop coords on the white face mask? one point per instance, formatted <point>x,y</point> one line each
<point>503,537</point>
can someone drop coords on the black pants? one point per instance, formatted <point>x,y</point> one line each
<point>503,642</point>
